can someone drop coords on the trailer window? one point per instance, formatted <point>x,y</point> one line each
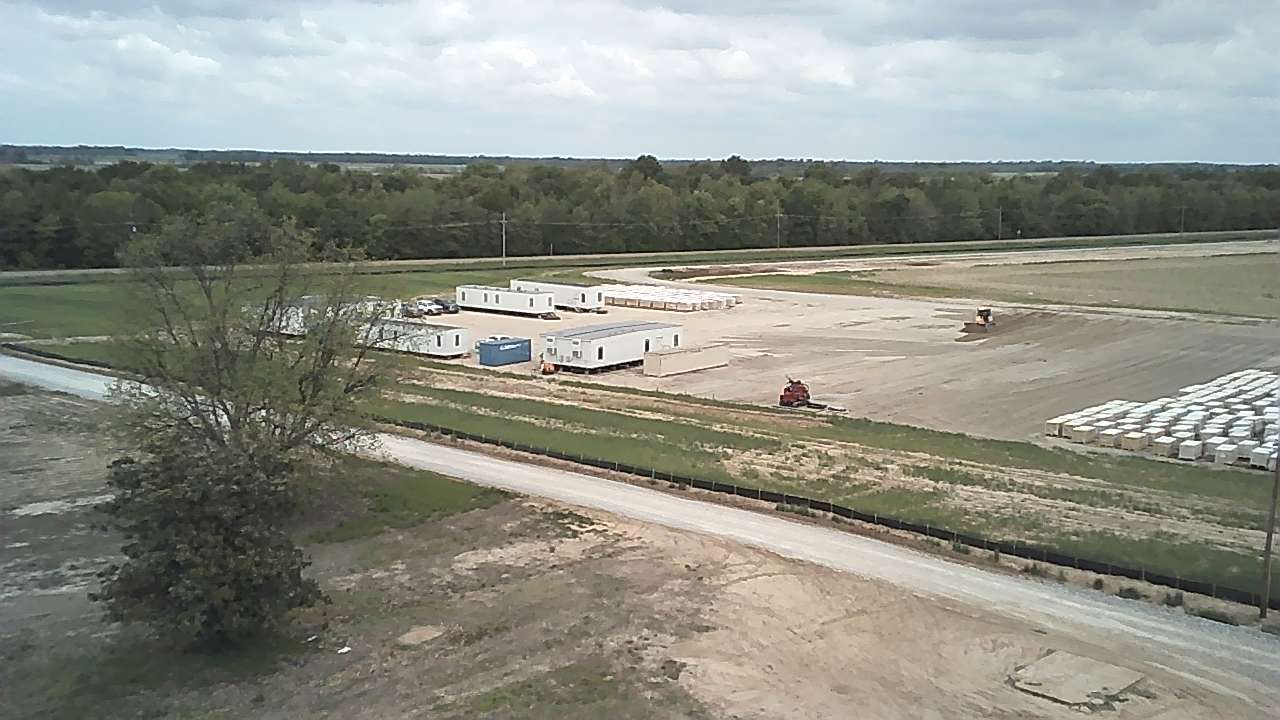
<point>439,341</point>
<point>675,340</point>
<point>464,296</point>
<point>646,344</point>
<point>457,340</point>
<point>530,302</point>
<point>486,297</point>
<point>584,297</point>
<point>600,353</point>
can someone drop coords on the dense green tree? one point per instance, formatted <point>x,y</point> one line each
<point>235,416</point>
<point>647,167</point>
<point>735,165</point>
<point>67,217</point>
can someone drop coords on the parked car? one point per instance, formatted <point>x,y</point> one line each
<point>448,306</point>
<point>420,308</point>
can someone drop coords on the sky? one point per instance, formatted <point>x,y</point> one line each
<point>943,80</point>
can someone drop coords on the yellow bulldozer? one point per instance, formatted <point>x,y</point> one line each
<point>983,320</point>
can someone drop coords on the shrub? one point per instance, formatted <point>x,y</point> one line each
<point>1098,584</point>
<point>1131,593</point>
<point>1173,599</point>
<point>207,559</point>
<point>960,548</point>
<point>1035,569</point>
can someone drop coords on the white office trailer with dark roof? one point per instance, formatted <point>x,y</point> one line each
<point>608,345</point>
<point>506,300</point>
<point>579,297</point>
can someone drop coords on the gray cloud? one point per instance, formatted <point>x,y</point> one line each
<point>1142,79</point>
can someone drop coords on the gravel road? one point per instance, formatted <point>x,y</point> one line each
<point>1237,662</point>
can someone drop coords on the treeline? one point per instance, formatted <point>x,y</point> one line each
<point>73,218</point>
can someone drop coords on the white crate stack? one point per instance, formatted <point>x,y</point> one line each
<point>660,297</point>
<point>1230,420</point>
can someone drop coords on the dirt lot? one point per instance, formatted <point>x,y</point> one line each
<point>519,609</point>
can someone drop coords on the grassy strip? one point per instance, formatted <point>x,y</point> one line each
<point>643,451</point>
<point>600,421</point>
<point>393,496</point>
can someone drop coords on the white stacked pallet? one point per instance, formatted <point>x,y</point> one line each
<point>1111,437</point>
<point>1165,446</point>
<point>1230,419</point>
<point>661,297</point>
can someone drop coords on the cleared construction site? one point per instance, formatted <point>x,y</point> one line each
<point>928,362</point>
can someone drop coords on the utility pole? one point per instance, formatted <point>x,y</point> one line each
<point>999,222</point>
<point>778,222</point>
<point>1182,219</point>
<point>504,239</point>
<point>1271,531</point>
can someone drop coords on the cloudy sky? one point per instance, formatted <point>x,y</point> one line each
<point>1109,80</point>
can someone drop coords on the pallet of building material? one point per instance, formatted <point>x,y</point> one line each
<point>1110,437</point>
<point>1134,441</point>
<point>1166,446</point>
<point>1083,434</point>
<point>1190,450</point>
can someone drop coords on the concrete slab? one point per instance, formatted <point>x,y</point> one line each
<point>1074,680</point>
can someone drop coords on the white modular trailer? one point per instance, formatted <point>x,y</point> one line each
<point>608,345</point>
<point>570,296</point>
<point>420,338</point>
<point>505,300</point>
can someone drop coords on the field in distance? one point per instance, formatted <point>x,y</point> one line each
<point>1230,285</point>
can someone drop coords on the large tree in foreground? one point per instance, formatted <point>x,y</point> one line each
<point>234,412</point>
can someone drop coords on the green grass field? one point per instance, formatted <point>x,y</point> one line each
<point>103,307</point>
<point>1228,284</point>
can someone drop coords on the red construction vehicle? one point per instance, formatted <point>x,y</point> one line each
<point>796,394</point>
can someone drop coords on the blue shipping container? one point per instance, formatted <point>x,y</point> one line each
<point>505,352</point>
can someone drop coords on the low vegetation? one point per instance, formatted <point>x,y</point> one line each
<point>381,496</point>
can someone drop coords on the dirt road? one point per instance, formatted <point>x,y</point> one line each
<point>1235,671</point>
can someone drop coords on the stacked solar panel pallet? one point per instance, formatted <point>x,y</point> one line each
<point>1231,420</point>
<point>660,297</point>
